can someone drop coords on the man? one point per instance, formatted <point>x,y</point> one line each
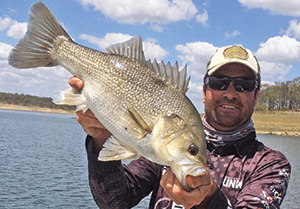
<point>244,172</point>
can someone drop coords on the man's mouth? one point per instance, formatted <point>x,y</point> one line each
<point>228,107</point>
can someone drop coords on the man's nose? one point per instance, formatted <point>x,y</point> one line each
<point>230,92</point>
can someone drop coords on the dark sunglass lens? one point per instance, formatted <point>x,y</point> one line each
<point>241,84</point>
<point>219,83</point>
<point>244,85</point>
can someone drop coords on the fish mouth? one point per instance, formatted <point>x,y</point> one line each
<point>192,171</point>
<point>200,171</point>
<point>188,168</point>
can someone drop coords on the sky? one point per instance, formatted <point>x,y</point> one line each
<point>186,31</point>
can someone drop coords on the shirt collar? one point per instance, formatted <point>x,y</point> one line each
<point>239,147</point>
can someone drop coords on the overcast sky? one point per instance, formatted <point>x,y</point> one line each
<point>180,30</point>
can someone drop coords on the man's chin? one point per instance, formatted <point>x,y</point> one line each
<point>228,124</point>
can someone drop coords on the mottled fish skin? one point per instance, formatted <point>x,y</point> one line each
<point>142,103</point>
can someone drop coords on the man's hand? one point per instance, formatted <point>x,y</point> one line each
<point>93,127</point>
<point>76,83</point>
<point>200,195</point>
<point>88,121</point>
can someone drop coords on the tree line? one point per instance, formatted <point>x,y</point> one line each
<point>280,96</point>
<point>29,100</point>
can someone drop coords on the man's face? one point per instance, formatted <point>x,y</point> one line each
<point>227,110</point>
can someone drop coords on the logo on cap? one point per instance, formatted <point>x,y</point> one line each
<point>235,52</point>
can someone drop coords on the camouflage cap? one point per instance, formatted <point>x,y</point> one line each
<point>233,54</point>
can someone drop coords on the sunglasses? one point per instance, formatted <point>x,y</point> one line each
<point>241,84</point>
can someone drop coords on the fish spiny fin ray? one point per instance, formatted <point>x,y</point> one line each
<point>133,49</point>
<point>34,48</point>
<point>172,74</point>
<point>113,150</point>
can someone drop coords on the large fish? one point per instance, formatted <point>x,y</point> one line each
<point>142,103</point>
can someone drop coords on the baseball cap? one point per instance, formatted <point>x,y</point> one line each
<point>233,54</point>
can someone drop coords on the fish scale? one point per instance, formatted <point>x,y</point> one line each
<point>142,103</point>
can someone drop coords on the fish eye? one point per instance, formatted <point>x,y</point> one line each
<point>193,149</point>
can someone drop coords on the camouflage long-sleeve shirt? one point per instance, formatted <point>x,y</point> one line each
<point>248,174</point>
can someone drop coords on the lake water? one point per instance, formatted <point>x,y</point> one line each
<point>43,162</point>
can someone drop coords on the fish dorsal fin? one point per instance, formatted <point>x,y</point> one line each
<point>113,150</point>
<point>171,74</point>
<point>133,48</point>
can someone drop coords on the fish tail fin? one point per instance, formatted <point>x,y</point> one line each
<point>34,49</point>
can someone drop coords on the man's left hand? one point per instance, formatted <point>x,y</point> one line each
<point>200,195</point>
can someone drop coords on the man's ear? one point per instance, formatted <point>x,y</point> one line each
<point>203,92</point>
<point>256,96</point>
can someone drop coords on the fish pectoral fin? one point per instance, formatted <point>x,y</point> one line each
<point>140,123</point>
<point>72,97</point>
<point>113,150</point>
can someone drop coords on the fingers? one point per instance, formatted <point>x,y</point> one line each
<point>170,187</point>
<point>167,180</point>
<point>174,189</point>
<point>87,114</point>
<point>88,121</point>
<point>196,181</point>
<point>76,83</point>
<point>176,192</point>
<point>93,127</point>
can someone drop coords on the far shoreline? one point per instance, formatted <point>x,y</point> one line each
<point>278,133</point>
<point>262,126</point>
<point>14,107</point>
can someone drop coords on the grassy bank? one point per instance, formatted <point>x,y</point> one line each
<point>277,122</point>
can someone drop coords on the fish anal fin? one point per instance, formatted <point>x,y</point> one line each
<point>113,150</point>
<point>72,97</point>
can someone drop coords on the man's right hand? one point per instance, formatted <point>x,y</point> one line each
<point>88,121</point>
